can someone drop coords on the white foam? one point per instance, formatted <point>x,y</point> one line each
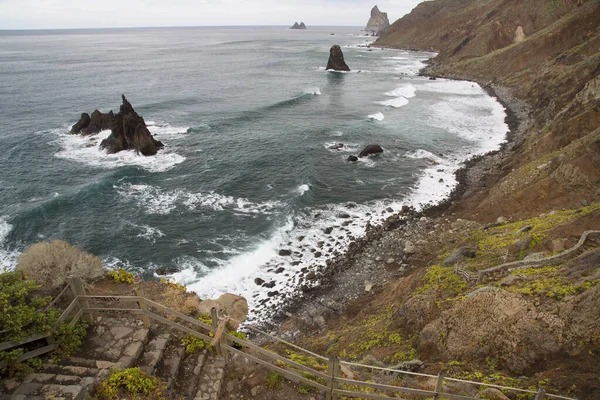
<point>451,87</point>
<point>302,189</point>
<point>147,232</point>
<point>85,149</point>
<point>377,116</point>
<point>8,258</point>
<point>155,200</point>
<point>479,119</point>
<point>408,91</point>
<point>315,91</point>
<point>396,103</point>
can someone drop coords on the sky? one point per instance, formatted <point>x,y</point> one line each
<point>68,14</point>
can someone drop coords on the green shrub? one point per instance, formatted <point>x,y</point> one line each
<point>193,344</point>
<point>121,275</point>
<point>274,380</point>
<point>23,314</point>
<point>53,263</point>
<point>131,383</point>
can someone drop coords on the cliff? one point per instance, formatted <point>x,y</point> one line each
<point>546,53</point>
<point>407,294</point>
<point>378,23</point>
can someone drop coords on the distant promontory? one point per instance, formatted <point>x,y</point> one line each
<point>378,23</point>
<point>298,25</point>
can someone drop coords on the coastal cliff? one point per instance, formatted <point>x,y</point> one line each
<point>436,290</point>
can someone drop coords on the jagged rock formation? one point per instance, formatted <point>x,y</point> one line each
<point>336,59</point>
<point>129,132</point>
<point>91,125</point>
<point>298,26</point>
<point>378,23</point>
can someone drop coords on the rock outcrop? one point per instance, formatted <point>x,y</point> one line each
<point>370,150</point>
<point>96,123</point>
<point>298,25</point>
<point>378,23</point>
<point>336,59</point>
<point>227,305</point>
<point>129,132</point>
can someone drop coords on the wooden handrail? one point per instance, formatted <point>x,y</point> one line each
<point>332,378</point>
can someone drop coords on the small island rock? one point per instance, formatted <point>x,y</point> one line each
<point>336,59</point>
<point>370,150</point>
<point>378,23</point>
<point>298,25</point>
<point>129,132</point>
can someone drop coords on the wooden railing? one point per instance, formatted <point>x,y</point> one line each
<point>335,379</point>
<point>50,341</point>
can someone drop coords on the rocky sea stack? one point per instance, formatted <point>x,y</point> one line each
<point>298,26</point>
<point>378,23</point>
<point>128,130</point>
<point>336,59</point>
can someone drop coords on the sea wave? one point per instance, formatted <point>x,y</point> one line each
<point>8,257</point>
<point>155,200</point>
<point>86,149</point>
<point>376,117</point>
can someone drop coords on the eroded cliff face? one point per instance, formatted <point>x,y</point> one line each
<point>378,23</point>
<point>548,54</point>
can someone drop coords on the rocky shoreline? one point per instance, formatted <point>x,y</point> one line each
<point>381,256</point>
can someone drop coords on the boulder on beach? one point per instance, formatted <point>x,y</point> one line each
<point>336,59</point>
<point>371,150</point>
<point>96,123</point>
<point>129,132</point>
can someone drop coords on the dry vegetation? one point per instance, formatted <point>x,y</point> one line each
<point>53,263</point>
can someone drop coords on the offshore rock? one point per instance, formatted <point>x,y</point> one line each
<point>370,150</point>
<point>378,23</point>
<point>129,132</point>
<point>96,123</point>
<point>336,59</point>
<point>298,26</point>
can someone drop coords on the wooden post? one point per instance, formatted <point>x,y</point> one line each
<point>439,384</point>
<point>215,325</point>
<point>139,291</point>
<point>334,371</point>
<point>79,290</point>
<point>540,395</point>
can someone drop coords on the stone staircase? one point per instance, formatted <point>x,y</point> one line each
<point>123,343</point>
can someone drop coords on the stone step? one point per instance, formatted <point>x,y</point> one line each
<point>69,370</point>
<point>86,362</point>
<point>168,368</point>
<point>189,374</point>
<point>59,379</point>
<point>153,353</point>
<point>120,344</point>
<point>211,378</point>
<point>48,391</point>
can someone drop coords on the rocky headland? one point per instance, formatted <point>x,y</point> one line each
<point>378,23</point>
<point>128,130</point>
<point>336,59</point>
<point>408,292</point>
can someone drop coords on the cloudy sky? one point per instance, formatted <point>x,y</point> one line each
<point>42,14</point>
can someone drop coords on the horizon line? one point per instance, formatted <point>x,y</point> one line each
<point>171,26</point>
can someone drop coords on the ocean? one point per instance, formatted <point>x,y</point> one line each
<point>247,116</point>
